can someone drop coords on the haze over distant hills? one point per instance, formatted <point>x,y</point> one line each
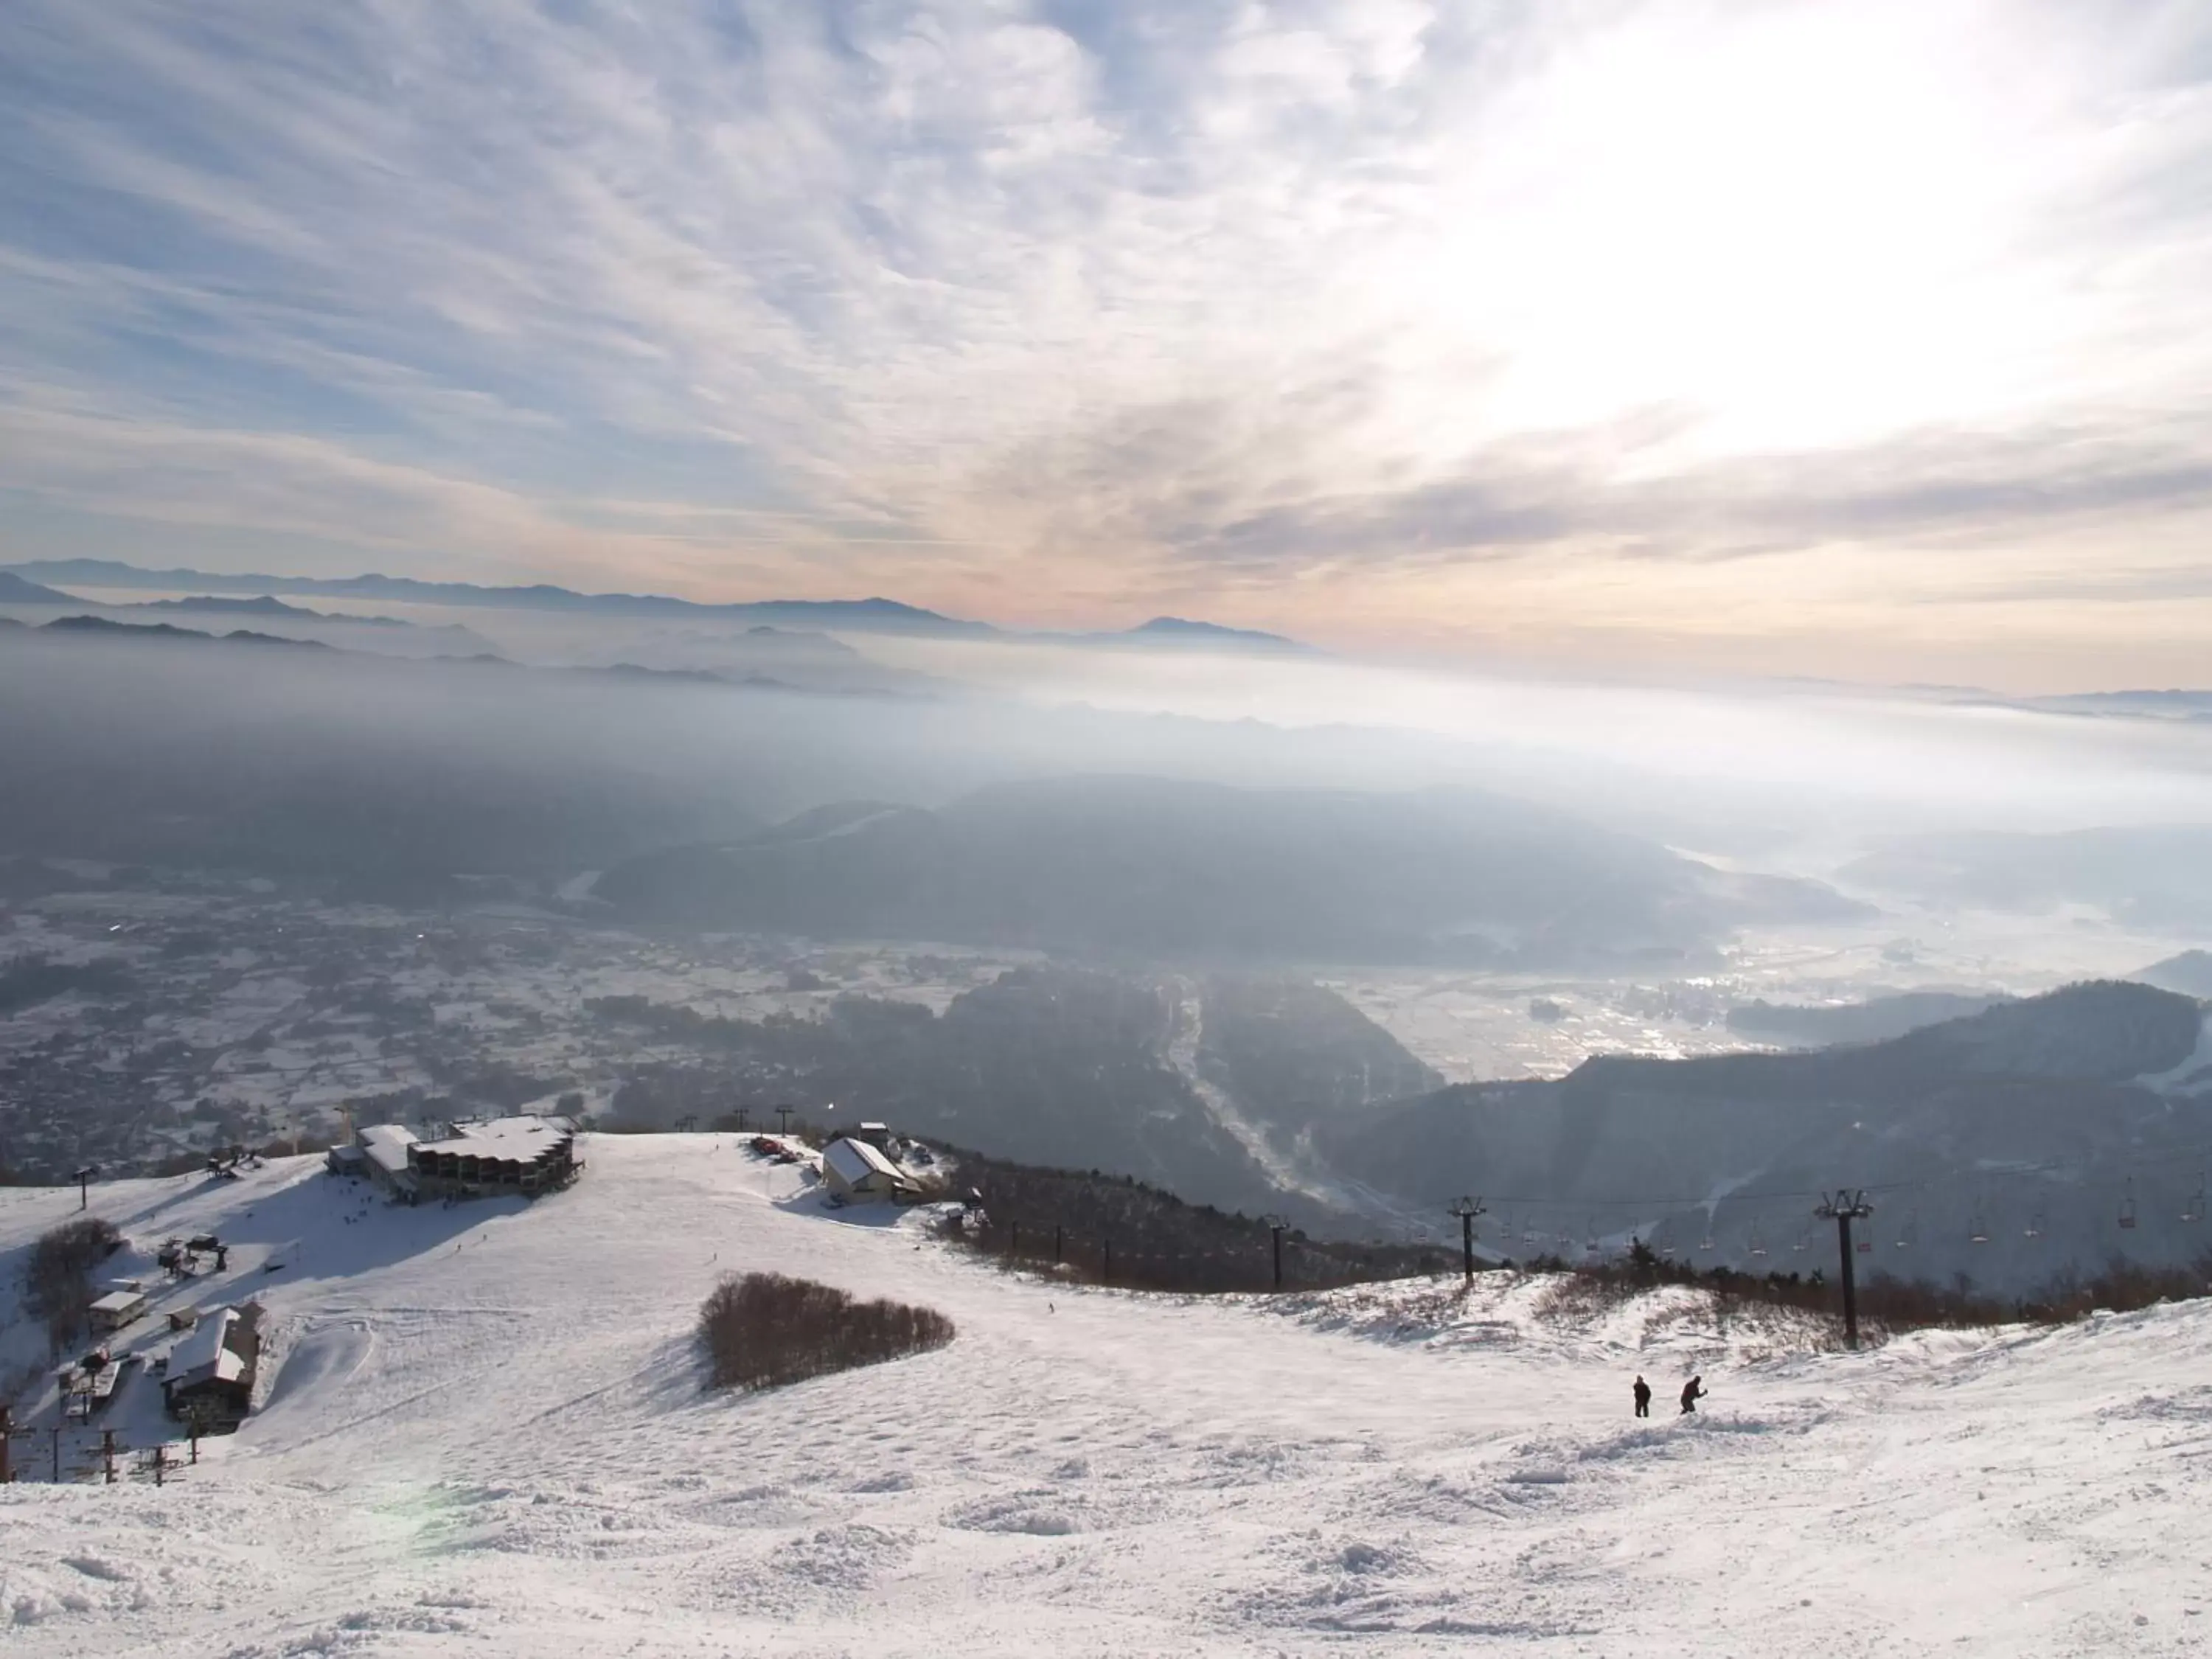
<point>1876,1019</point>
<point>2189,973</point>
<point>2153,875</point>
<point>868,616</point>
<point>1148,866</point>
<point>18,590</point>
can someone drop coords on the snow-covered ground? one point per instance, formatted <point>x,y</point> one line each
<point>483,1433</point>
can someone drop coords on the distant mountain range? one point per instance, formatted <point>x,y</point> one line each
<point>870,616</point>
<point>107,627</point>
<point>262,605</point>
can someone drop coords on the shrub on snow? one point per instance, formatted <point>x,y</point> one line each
<point>763,1330</point>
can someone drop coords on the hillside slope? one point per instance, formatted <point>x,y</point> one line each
<point>484,1434</point>
<point>2035,1114</point>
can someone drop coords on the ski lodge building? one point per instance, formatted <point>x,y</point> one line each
<point>525,1156</point>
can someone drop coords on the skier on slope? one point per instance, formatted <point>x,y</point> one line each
<point>1692,1391</point>
<point>1643,1398</point>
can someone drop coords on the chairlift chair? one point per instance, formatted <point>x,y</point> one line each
<point>1590,1246</point>
<point>2128,1206</point>
<point>1706,1242</point>
<point>1758,1240</point>
<point>1909,1234</point>
<point>1978,1230</point>
<point>2034,1228</point>
<point>2194,1210</point>
<point>1804,1242</point>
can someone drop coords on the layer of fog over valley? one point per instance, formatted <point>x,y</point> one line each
<point>1279,930</point>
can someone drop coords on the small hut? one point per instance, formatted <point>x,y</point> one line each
<point>855,1172</point>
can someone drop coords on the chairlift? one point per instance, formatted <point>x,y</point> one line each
<point>1757,1240</point>
<point>2194,1210</point>
<point>1590,1245</point>
<point>1706,1242</point>
<point>2128,1206</point>
<point>1909,1234</point>
<point>1804,1242</point>
<point>1864,1245</point>
<point>2034,1228</point>
<point>1978,1228</point>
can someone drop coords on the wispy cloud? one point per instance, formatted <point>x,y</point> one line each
<point>1337,314</point>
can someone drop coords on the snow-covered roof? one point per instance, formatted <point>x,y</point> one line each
<point>119,1301</point>
<point>516,1140</point>
<point>855,1161</point>
<point>386,1145</point>
<point>204,1353</point>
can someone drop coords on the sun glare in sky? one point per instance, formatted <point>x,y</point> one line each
<point>1860,339</point>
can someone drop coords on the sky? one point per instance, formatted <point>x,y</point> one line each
<point>1861,339</point>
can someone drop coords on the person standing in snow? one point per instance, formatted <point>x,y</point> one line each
<point>1643,1398</point>
<point>1692,1391</point>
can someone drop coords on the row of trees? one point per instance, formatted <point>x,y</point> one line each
<point>1116,1229</point>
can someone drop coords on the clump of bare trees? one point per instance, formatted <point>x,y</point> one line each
<point>1886,1305</point>
<point>763,1330</point>
<point>57,1278</point>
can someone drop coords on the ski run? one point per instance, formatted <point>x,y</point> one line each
<point>480,1430</point>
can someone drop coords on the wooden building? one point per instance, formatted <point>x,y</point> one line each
<point>211,1369</point>
<point>855,1172</point>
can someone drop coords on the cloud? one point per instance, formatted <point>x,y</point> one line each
<point>1061,309</point>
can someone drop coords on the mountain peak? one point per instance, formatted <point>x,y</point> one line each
<point>1182,630</point>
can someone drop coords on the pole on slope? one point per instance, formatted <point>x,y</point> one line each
<point>1466,1209</point>
<point>6,1430</point>
<point>1844,1206</point>
<point>1106,1261</point>
<point>83,1179</point>
<point>1013,1239</point>
<point>1055,1243</point>
<point>784,1113</point>
<point>107,1456</point>
<point>1276,1226</point>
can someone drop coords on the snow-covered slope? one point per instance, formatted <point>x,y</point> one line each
<point>484,1434</point>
